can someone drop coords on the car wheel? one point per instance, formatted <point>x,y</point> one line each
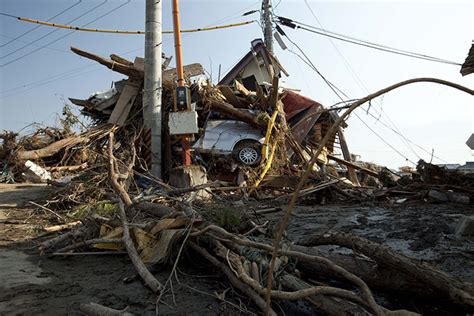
<point>248,153</point>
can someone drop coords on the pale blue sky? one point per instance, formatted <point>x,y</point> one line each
<point>32,89</point>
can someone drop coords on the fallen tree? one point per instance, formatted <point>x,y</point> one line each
<point>332,131</point>
<point>396,272</point>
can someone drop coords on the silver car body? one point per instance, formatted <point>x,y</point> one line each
<point>221,136</point>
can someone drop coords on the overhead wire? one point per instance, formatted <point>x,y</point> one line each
<point>68,34</point>
<point>335,90</point>
<point>53,31</point>
<point>38,26</point>
<point>126,32</point>
<point>73,72</point>
<point>37,45</point>
<point>364,88</point>
<point>300,25</point>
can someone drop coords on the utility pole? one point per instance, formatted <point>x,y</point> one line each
<point>267,24</point>
<point>152,85</point>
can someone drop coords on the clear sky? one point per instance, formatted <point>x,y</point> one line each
<point>34,87</point>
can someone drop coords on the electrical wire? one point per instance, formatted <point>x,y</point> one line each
<point>36,27</point>
<point>53,31</point>
<point>73,72</point>
<point>68,34</point>
<point>36,45</point>
<point>299,25</point>
<point>363,87</point>
<point>335,90</point>
<point>125,32</point>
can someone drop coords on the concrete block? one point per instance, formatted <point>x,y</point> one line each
<point>465,226</point>
<point>189,176</point>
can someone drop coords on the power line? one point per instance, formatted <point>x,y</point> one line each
<point>335,90</point>
<point>36,45</point>
<point>36,27</point>
<point>383,139</point>
<point>128,32</point>
<point>363,87</point>
<point>299,25</point>
<point>68,34</point>
<point>73,72</point>
<point>53,31</point>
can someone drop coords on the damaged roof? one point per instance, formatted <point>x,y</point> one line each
<point>257,48</point>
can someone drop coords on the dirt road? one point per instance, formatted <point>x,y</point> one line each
<point>31,284</point>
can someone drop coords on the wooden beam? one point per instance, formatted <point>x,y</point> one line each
<point>353,165</point>
<point>115,66</point>
<point>121,60</point>
<point>347,157</point>
<point>51,149</point>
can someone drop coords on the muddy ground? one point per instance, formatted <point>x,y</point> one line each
<point>31,284</point>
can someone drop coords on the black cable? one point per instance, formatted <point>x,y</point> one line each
<point>9,15</point>
<point>383,139</point>
<point>38,26</point>
<point>36,45</point>
<point>395,129</point>
<point>291,23</point>
<point>53,31</point>
<point>334,88</point>
<point>68,34</point>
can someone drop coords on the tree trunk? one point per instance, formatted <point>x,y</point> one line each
<point>395,272</point>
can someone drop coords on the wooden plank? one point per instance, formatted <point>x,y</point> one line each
<point>121,60</point>
<point>353,165</point>
<point>124,103</point>
<point>115,66</point>
<point>189,71</point>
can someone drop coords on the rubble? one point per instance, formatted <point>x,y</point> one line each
<point>257,141</point>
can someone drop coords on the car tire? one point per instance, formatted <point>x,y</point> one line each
<point>248,153</point>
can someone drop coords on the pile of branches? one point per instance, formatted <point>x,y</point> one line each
<point>157,228</point>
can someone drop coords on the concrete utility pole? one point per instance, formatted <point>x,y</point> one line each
<point>268,24</point>
<point>152,85</point>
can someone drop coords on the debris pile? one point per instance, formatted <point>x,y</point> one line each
<point>256,138</point>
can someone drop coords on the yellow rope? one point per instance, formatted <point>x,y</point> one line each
<point>86,29</point>
<point>270,125</point>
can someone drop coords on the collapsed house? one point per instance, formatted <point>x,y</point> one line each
<point>224,128</point>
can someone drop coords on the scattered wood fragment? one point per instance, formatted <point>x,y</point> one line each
<point>88,243</point>
<point>353,165</point>
<point>67,168</point>
<point>48,210</point>
<point>232,278</point>
<point>57,228</point>
<point>142,270</point>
